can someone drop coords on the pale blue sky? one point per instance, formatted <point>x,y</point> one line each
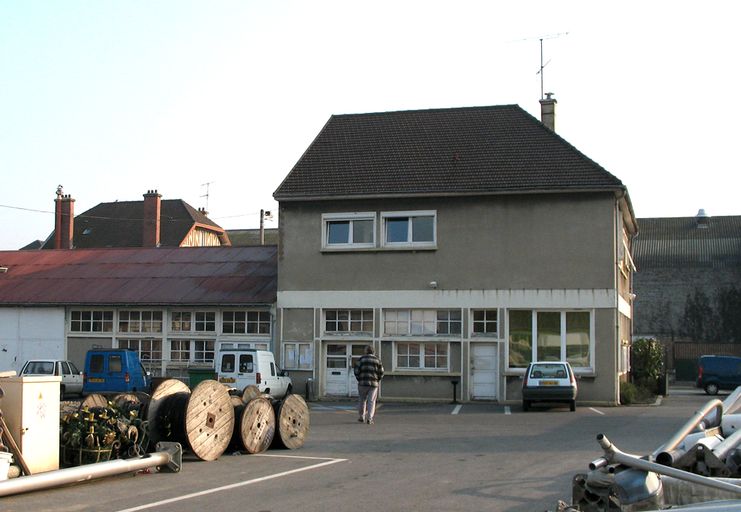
<point>111,99</point>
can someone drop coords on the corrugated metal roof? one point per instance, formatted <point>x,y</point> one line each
<point>140,276</point>
<point>679,241</point>
<point>474,150</point>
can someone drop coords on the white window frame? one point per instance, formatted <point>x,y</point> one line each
<point>102,321</point>
<point>347,217</point>
<point>421,356</point>
<point>486,321</point>
<point>256,323</point>
<point>409,243</point>
<point>349,321</point>
<point>303,363</point>
<point>193,321</point>
<point>534,332</point>
<point>414,322</point>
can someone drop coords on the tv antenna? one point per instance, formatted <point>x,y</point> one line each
<point>542,65</point>
<point>207,185</point>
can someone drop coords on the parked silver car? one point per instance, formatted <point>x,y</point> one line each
<point>71,376</point>
<point>549,381</point>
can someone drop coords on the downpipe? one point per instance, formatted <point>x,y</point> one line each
<point>614,456</point>
<point>168,455</point>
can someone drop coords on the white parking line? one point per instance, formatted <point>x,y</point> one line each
<point>597,411</point>
<point>457,409</point>
<point>327,462</point>
<point>507,410</point>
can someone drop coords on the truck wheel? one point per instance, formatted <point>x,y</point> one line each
<point>711,389</point>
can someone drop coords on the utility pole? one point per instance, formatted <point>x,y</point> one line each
<point>264,215</point>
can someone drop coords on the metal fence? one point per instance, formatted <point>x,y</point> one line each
<point>685,355</point>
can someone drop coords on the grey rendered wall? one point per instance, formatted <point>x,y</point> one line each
<point>406,385</point>
<point>297,325</point>
<point>495,242</point>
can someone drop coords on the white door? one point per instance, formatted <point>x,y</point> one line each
<point>484,370</point>
<point>337,370</point>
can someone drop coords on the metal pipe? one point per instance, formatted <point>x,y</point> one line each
<point>732,403</point>
<point>722,449</point>
<point>615,456</point>
<point>170,455</point>
<point>701,418</point>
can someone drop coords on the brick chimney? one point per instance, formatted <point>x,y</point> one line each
<point>548,111</point>
<point>64,220</point>
<point>151,222</point>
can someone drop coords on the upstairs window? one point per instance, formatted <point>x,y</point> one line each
<point>246,322</point>
<point>349,230</point>
<point>422,322</point>
<point>91,321</point>
<point>409,229</point>
<point>356,321</point>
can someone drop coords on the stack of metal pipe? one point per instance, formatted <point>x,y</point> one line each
<point>699,464</point>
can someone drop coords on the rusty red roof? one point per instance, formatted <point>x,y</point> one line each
<point>140,276</point>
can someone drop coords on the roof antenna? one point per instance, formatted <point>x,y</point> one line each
<point>207,185</point>
<point>540,71</point>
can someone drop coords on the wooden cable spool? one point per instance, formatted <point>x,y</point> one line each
<point>202,420</point>
<point>250,391</point>
<point>292,422</point>
<point>254,426</point>
<point>94,400</point>
<point>132,402</point>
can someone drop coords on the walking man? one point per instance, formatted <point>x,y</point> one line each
<point>369,372</point>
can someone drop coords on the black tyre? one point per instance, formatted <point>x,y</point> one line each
<point>526,405</point>
<point>572,405</point>
<point>711,389</point>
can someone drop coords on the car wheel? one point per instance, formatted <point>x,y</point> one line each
<point>572,405</point>
<point>525,405</point>
<point>711,389</point>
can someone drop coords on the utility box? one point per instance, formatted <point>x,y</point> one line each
<point>30,408</point>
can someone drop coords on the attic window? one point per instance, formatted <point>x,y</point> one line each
<point>87,231</point>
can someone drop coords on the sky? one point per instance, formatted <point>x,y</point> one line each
<point>214,101</point>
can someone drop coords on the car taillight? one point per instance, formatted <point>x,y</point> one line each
<point>127,377</point>
<point>525,382</point>
<point>699,372</point>
<point>258,379</point>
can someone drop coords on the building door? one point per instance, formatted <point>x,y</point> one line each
<point>339,375</point>
<point>484,371</point>
<point>78,347</point>
<point>337,370</point>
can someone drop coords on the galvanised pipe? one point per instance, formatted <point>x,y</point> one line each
<point>732,403</point>
<point>702,416</point>
<point>171,456</point>
<point>726,446</point>
<point>615,456</point>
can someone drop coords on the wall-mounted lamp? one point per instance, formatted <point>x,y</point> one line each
<point>3,270</point>
<point>433,285</point>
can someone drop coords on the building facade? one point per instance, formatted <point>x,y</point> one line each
<point>462,244</point>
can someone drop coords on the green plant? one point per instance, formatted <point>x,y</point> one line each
<point>628,393</point>
<point>647,361</point>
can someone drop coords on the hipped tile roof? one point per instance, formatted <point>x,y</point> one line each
<point>140,276</point>
<point>474,150</point>
<point>119,224</point>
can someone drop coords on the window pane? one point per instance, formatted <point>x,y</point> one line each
<point>549,336</point>
<point>423,229</point>
<point>338,232</point>
<point>362,231</point>
<point>577,338</point>
<point>520,338</point>
<point>397,229</point>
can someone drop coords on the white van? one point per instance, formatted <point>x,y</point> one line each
<point>238,366</point>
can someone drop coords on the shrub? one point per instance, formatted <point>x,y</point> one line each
<point>647,357</point>
<point>628,393</point>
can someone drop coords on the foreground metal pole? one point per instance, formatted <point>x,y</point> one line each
<point>732,402</point>
<point>167,454</point>
<point>702,416</point>
<point>615,456</point>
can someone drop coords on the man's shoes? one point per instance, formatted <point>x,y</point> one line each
<point>361,420</point>
<point>370,422</point>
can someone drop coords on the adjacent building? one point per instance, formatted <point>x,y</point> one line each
<point>173,305</point>
<point>462,244</point>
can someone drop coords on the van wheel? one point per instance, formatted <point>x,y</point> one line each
<point>711,389</point>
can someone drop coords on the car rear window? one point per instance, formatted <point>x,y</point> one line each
<point>548,371</point>
<point>40,368</point>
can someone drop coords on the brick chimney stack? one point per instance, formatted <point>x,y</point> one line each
<point>151,222</point>
<point>64,220</point>
<point>548,111</point>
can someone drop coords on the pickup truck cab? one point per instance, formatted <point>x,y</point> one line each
<point>238,367</point>
<point>114,371</point>
<point>71,376</point>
